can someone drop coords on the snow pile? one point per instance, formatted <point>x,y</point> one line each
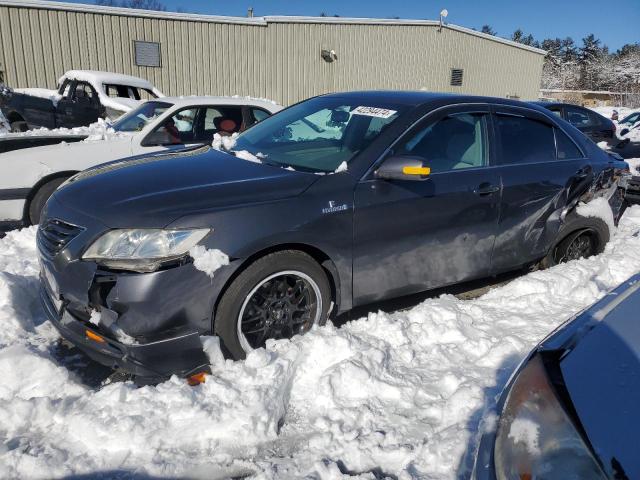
<point>341,168</point>
<point>224,142</point>
<point>634,165</point>
<point>208,260</point>
<point>598,208</point>
<point>399,394</point>
<point>98,131</point>
<point>4,124</point>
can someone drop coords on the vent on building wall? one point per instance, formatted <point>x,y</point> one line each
<point>147,53</point>
<point>456,77</point>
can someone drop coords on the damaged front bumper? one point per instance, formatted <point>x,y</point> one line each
<point>154,361</point>
<point>150,323</point>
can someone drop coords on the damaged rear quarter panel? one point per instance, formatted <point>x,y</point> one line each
<point>534,206</point>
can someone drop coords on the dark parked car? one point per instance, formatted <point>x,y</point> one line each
<point>592,124</point>
<point>571,408</point>
<point>81,98</point>
<point>337,201</point>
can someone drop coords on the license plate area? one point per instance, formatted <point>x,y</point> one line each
<point>51,287</point>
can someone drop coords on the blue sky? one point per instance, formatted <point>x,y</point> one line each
<point>615,22</point>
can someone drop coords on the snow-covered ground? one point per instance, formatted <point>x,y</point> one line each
<point>608,111</point>
<point>396,393</point>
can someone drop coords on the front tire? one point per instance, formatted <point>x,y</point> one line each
<point>40,198</point>
<point>278,296</point>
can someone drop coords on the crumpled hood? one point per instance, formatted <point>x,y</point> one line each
<point>602,375</point>
<point>155,190</point>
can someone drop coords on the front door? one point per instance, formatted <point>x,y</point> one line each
<point>411,236</point>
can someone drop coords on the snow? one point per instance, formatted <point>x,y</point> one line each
<point>634,165</point>
<point>400,393</point>
<point>224,142</point>
<point>100,130</point>
<point>608,111</point>
<point>598,208</point>
<point>341,168</point>
<point>4,125</point>
<point>208,260</point>
<point>526,431</point>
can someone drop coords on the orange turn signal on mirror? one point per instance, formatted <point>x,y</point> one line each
<point>94,336</point>
<point>196,379</point>
<point>416,170</point>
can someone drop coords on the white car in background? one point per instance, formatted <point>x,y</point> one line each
<point>31,175</point>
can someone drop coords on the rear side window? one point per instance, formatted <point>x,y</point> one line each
<point>524,140</point>
<point>455,142</point>
<point>581,118</point>
<point>565,147</point>
<point>258,114</point>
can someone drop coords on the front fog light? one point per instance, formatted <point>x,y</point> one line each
<point>536,439</point>
<point>142,250</point>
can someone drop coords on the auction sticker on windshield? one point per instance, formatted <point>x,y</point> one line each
<point>373,112</point>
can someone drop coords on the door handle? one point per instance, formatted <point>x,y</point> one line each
<point>486,189</point>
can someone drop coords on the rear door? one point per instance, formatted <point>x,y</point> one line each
<point>540,168</point>
<point>410,236</point>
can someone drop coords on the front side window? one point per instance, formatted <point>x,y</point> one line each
<point>455,142</point>
<point>137,119</point>
<point>525,140</point>
<point>319,134</point>
<point>85,93</point>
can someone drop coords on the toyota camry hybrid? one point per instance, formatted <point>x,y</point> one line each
<point>335,202</point>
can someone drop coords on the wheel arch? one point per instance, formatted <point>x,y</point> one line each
<point>314,252</point>
<point>577,225</point>
<point>38,185</point>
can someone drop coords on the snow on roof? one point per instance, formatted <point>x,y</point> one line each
<point>96,77</point>
<point>257,21</point>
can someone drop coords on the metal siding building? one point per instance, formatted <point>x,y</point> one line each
<point>272,57</point>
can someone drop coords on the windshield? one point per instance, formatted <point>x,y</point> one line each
<point>140,117</point>
<point>319,134</point>
<point>631,119</point>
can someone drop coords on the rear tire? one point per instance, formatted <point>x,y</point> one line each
<point>580,237</point>
<point>278,296</point>
<point>41,197</point>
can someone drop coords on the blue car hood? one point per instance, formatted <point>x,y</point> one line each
<point>153,191</point>
<point>602,376</point>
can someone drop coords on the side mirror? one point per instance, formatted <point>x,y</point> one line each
<point>624,131</point>
<point>403,167</point>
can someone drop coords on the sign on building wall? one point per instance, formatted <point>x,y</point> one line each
<point>147,53</point>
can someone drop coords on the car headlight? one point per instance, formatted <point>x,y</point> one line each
<point>142,250</point>
<point>536,439</point>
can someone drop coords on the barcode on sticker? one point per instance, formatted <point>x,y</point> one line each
<point>373,112</point>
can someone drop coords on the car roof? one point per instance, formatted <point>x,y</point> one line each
<point>417,98</point>
<point>185,101</point>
